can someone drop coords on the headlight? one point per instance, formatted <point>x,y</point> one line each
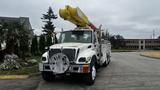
<point>82,59</point>
<point>43,58</point>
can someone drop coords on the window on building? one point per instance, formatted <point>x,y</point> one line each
<point>141,41</point>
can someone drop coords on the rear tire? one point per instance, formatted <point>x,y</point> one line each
<point>105,64</point>
<point>48,76</point>
<point>109,59</point>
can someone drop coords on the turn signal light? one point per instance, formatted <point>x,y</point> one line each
<point>85,68</point>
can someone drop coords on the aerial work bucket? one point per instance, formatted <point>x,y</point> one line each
<point>76,16</point>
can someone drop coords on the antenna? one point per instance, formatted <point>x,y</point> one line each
<point>153,34</point>
<point>62,29</point>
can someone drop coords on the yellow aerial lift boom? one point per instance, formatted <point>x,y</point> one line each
<point>76,16</point>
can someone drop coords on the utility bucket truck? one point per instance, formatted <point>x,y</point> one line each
<point>78,51</point>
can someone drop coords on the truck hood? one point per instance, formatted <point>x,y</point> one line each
<point>71,45</point>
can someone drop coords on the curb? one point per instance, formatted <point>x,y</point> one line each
<point>149,56</point>
<point>125,51</point>
<point>18,77</point>
<point>34,74</point>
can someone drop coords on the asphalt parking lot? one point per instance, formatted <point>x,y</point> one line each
<point>127,71</point>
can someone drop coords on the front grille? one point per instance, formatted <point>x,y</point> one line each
<point>54,51</point>
<point>70,53</point>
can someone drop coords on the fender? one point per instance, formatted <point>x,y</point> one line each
<point>46,56</point>
<point>88,54</point>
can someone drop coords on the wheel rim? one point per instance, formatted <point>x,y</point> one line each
<point>93,73</point>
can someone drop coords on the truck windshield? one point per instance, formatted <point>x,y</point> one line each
<point>75,36</point>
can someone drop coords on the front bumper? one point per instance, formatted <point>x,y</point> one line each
<point>73,68</point>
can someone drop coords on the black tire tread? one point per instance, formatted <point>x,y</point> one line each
<point>48,76</point>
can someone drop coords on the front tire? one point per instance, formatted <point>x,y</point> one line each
<point>105,64</point>
<point>90,78</point>
<point>48,76</point>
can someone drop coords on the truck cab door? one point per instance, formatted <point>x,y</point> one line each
<point>96,45</point>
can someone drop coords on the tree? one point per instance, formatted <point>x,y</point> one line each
<point>106,34</point>
<point>8,37</point>
<point>119,36</point>
<point>42,44</point>
<point>49,41</point>
<point>1,34</point>
<point>11,38</point>
<point>158,37</point>
<point>117,41</point>
<point>16,37</point>
<point>0,47</point>
<point>47,18</point>
<point>113,41</point>
<point>34,46</point>
<point>3,31</point>
<point>24,46</point>
<point>23,37</point>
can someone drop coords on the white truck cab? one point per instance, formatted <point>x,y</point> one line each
<point>78,51</point>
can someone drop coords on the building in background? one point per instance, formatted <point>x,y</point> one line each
<point>142,44</point>
<point>22,20</point>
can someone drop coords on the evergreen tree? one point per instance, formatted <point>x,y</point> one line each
<point>24,47</point>
<point>3,31</point>
<point>117,41</point>
<point>47,19</point>
<point>0,46</point>
<point>16,38</point>
<point>12,36</point>
<point>1,34</point>
<point>42,44</point>
<point>34,46</point>
<point>23,40</point>
<point>49,41</point>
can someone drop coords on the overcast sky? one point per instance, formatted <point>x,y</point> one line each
<point>129,18</point>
